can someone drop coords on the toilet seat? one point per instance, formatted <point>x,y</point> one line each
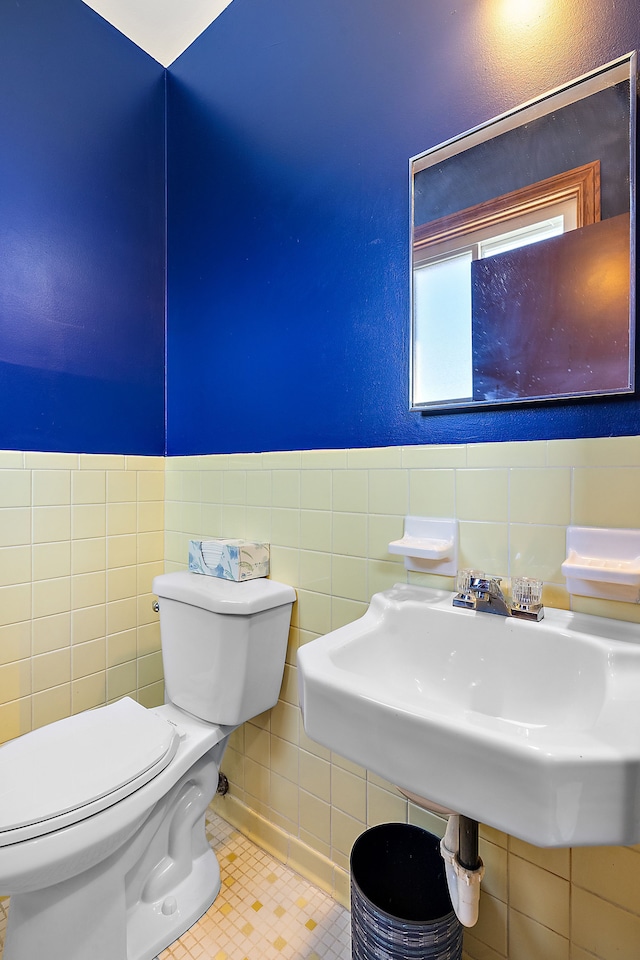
<point>71,769</point>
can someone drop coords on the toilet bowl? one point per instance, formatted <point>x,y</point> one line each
<point>102,842</point>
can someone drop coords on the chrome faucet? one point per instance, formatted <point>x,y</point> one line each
<point>477,591</point>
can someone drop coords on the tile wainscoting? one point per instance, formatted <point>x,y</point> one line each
<point>81,537</point>
<point>329,516</point>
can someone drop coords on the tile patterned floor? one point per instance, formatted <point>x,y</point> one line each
<point>264,910</point>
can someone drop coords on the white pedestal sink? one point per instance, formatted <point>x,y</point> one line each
<point>533,728</point>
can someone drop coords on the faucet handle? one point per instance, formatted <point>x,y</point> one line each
<point>463,581</point>
<point>463,597</point>
<point>526,598</point>
<point>526,591</point>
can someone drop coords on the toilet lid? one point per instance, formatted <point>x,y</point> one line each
<point>68,770</point>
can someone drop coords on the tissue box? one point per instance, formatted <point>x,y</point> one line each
<point>229,559</point>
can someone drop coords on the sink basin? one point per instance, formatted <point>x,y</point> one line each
<point>532,728</point>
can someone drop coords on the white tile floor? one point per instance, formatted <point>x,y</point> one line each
<point>264,910</point>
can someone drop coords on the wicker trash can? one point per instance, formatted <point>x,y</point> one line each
<point>400,904</point>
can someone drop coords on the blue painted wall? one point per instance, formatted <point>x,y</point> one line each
<point>290,125</point>
<point>81,234</point>
<point>290,128</point>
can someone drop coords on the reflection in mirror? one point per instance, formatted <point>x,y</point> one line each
<point>522,252</point>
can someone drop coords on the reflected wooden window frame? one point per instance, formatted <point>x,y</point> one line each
<point>580,185</point>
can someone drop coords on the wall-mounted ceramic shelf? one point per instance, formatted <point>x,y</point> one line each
<point>603,563</point>
<point>428,545</point>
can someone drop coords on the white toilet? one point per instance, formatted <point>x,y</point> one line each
<point>102,842</point>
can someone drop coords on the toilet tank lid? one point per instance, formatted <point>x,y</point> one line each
<point>223,596</point>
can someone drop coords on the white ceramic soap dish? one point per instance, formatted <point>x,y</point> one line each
<point>428,545</point>
<point>603,563</point>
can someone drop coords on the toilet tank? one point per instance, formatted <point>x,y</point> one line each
<point>223,643</point>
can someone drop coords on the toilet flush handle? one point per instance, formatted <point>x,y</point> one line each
<point>155,606</point>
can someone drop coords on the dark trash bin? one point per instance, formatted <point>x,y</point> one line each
<point>400,904</point>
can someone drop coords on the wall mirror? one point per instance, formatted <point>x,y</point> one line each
<point>523,251</point>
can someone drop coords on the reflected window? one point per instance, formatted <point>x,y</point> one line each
<point>442,291</point>
<point>442,285</point>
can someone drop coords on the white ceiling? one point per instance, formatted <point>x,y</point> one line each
<point>164,28</point>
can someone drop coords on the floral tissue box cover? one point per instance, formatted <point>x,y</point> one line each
<point>229,559</point>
